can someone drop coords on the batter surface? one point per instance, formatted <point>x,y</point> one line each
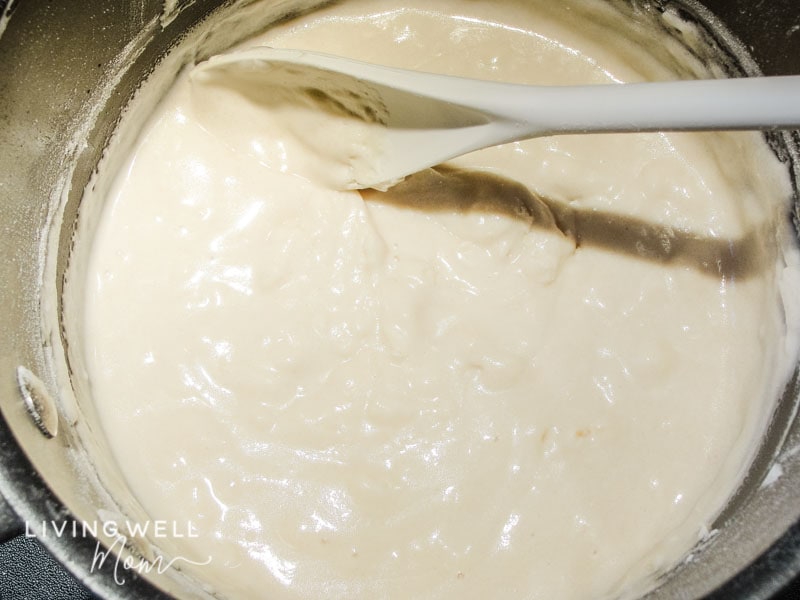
<point>537,372</point>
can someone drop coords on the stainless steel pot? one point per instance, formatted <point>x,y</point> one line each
<point>66,71</point>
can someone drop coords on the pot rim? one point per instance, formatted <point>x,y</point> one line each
<point>30,496</point>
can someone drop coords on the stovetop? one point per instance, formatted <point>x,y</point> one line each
<point>28,572</point>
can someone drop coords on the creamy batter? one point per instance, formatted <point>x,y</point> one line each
<point>537,372</point>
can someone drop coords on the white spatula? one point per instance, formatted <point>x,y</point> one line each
<point>426,119</point>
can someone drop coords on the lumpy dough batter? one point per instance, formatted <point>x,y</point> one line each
<point>537,372</point>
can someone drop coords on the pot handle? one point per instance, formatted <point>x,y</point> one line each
<point>10,525</point>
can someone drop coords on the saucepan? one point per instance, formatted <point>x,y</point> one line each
<point>67,70</point>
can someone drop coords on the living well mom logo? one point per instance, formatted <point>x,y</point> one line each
<point>122,533</point>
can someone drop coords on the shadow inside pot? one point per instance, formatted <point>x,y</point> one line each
<point>451,189</point>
